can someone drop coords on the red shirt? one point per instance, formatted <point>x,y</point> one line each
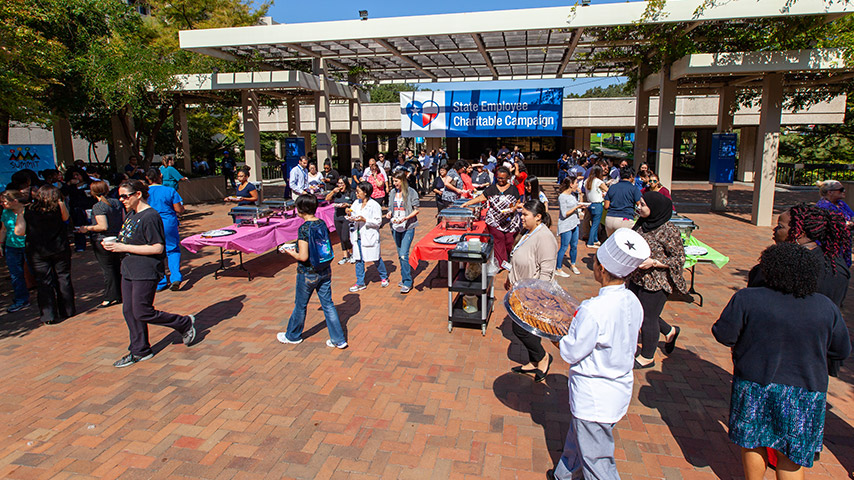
<point>467,183</point>
<point>520,182</point>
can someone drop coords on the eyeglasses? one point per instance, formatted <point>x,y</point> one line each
<point>653,182</point>
<point>125,196</point>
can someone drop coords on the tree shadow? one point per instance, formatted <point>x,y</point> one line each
<point>692,397</point>
<point>839,439</point>
<point>206,319</point>
<point>348,309</point>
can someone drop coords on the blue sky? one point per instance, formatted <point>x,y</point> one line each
<point>327,10</point>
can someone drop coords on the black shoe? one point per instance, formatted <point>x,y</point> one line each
<point>130,359</point>
<point>17,307</point>
<point>540,376</point>
<point>108,304</point>
<point>190,334</point>
<point>671,345</point>
<point>518,369</point>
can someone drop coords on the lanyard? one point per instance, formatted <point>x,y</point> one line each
<point>524,239</point>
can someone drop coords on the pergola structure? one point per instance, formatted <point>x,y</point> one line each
<point>553,43</point>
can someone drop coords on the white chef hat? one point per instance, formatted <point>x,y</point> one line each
<point>624,250</point>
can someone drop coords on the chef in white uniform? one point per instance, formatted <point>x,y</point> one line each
<point>600,347</point>
<point>366,215</point>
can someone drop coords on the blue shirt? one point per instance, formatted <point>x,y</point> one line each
<point>245,193</point>
<point>162,199</point>
<point>298,180</point>
<point>623,196</point>
<point>9,217</point>
<point>171,176</point>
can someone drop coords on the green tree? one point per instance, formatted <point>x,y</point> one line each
<point>615,90</point>
<point>390,93</point>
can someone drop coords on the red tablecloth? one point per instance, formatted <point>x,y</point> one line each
<point>426,249</point>
<point>260,239</point>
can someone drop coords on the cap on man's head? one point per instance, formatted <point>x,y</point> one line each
<point>623,252</point>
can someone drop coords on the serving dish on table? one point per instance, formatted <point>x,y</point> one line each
<point>280,208</point>
<point>685,225</point>
<point>222,232</point>
<point>475,209</point>
<point>447,239</point>
<point>456,218</point>
<point>541,308</point>
<point>250,215</point>
<point>695,250</point>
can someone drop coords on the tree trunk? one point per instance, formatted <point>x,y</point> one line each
<point>164,113</point>
<point>4,127</point>
<point>131,139</point>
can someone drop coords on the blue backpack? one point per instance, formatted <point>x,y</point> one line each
<point>319,246</point>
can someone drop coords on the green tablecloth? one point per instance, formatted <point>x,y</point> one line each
<point>713,255</point>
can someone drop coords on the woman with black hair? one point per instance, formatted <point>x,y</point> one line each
<point>49,253</point>
<point>781,335</point>
<point>143,241</point>
<point>658,276</point>
<point>533,256</point>
<point>245,192</point>
<point>169,205</point>
<point>342,196</point>
<point>366,216</point>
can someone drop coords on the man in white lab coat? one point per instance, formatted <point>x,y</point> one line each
<point>600,347</point>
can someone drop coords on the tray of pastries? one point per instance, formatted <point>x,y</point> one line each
<point>542,308</point>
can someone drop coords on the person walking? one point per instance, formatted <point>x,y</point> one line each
<point>366,216</point>
<point>142,240</point>
<point>659,276</point>
<point>342,196</point>
<point>533,257</point>
<point>780,376</point>
<point>621,200</point>
<point>568,225</point>
<point>312,274</point>
<point>169,204</point>
<point>298,178</point>
<point>49,253</point>
<point>108,214</point>
<point>171,176</point>
<point>502,217</point>
<point>14,248</point>
<point>403,213</point>
<point>228,165</point>
<point>595,189</point>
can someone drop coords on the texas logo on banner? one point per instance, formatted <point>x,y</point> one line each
<point>534,112</point>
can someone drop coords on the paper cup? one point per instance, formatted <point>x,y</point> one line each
<point>109,240</point>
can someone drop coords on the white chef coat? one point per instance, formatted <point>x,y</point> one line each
<point>369,230</point>
<point>600,347</point>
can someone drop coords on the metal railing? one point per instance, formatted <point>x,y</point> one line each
<point>809,173</point>
<point>271,172</point>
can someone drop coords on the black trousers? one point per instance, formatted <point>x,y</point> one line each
<point>653,325</point>
<point>111,265</point>
<point>342,226</point>
<point>138,309</point>
<point>532,343</point>
<point>53,279</point>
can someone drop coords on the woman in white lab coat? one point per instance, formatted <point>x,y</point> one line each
<point>366,215</point>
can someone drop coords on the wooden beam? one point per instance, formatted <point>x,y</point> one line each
<point>570,49</point>
<point>482,49</point>
<point>394,51</point>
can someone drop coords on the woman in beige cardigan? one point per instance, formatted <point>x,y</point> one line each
<point>533,257</point>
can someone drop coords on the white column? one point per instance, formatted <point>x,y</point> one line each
<point>322,113</point>
<point>641,122</point>
<point>767,142</point>
<point>182,137</point>
<point>355,130</point>
<point>252,137</point>
<point>666,128</point>
<point>746,153</point>
<point>62,142</point>
<point>726,114</point>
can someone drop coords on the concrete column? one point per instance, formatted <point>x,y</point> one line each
<point>252,137</point>
<point>372,146</point>
<point>392,146</point>
<point>726,113</point>
<point>322,111</point>
<point>356,145</point>
<point>746,153</point>
<point>666,128</point>
<point>307,137</point>
<point>767,142</point>
<point>62,141</point>
<point>453,149</point>
<point>279,151</point>
<point>641,121</point>
<point>292,106</point>
<point>182,137</point>
<point>582,138</point>
<point>122,148</point>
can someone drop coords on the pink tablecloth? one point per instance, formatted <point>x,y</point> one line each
<point>262,238</point>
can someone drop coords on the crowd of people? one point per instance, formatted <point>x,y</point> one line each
<point>778,399</point>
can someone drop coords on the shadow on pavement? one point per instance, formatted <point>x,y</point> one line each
<point>206,319</point>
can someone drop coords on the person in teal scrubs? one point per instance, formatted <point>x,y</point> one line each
<point>169,205</point>
<point>171,175</point>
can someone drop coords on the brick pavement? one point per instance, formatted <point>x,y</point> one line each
<point>407,399</point>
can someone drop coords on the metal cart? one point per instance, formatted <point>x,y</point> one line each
<point>459,286</point>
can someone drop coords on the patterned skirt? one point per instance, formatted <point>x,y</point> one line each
<point>786,418</point>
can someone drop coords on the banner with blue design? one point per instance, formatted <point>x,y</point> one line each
<point>19,157</point>
<point>534,112</point>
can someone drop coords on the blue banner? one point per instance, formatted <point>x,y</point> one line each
<point>19,157</point>
<point>536,112</point>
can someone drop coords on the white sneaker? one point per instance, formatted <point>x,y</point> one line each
<point>332,345</point>
<point>561,273</point>
<point>343,260</point>
<point>358,288</point>
<point>575,270</point>
<point>384,282</point>
<point>282,337</point>
<point>352,259</point>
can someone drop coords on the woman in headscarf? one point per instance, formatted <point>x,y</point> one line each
<point>659,275</point>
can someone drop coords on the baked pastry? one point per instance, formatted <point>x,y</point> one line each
<point>543,310</point>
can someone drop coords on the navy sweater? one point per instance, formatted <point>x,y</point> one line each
<point>777,338</point>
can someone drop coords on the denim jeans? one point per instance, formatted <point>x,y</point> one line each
<point>306,284</point>
<point>403,240</point>
<point>360,267</point>
<point>596,210</point>
<point>568,240</point>
<point>15,261</point>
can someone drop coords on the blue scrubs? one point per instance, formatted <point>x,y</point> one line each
<point>161,199</point>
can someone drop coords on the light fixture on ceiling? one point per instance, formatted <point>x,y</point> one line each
<point>363,14</point>
<point>585,3</point>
